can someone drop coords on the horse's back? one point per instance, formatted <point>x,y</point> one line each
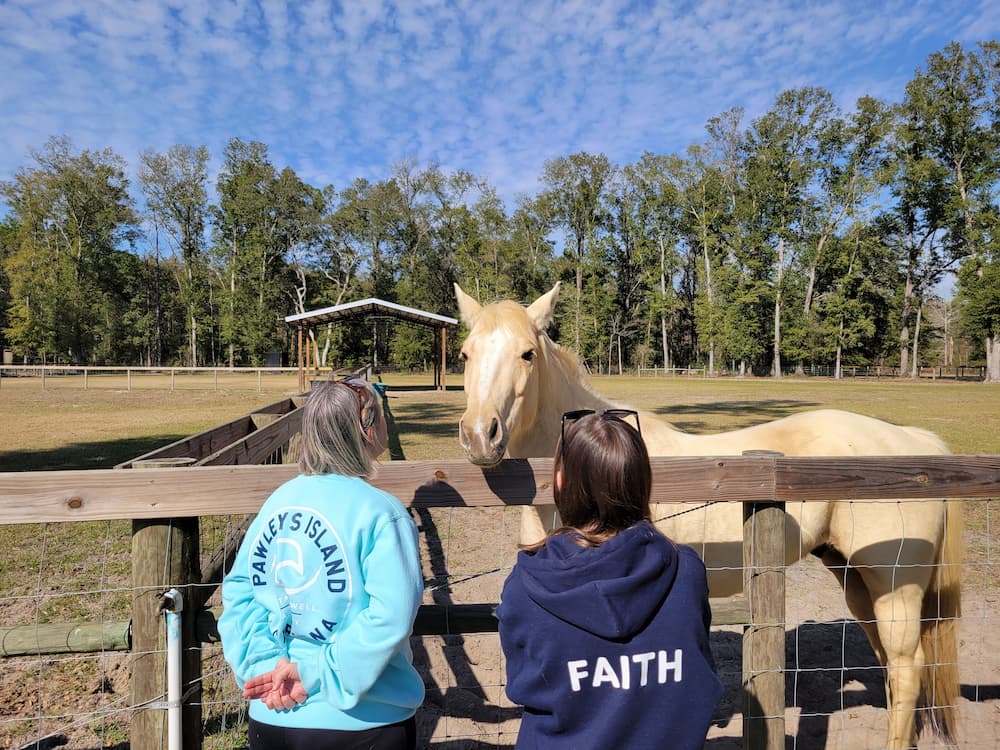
<point>820,432</point>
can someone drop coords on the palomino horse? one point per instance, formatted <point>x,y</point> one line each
<point>897,562</point>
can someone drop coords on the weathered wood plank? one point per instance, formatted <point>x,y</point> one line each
<point>261,443</point>
<point>432,619</point>
<point>63,638</point>
<point>764,636</point>
<point>890,477</point>
<point>102,494</point>
<point>200,445</point>
<point>217,438</point>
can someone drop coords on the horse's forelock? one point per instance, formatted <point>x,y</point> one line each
<point>505,316</point>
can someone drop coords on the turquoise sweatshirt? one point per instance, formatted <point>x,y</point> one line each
<point>328,576</point>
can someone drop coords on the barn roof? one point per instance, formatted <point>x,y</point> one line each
<point>370,306</point>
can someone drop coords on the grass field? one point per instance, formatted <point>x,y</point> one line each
<point>66,427</point>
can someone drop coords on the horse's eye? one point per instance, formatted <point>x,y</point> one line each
<point>528,355</point>
<point>463,356</point>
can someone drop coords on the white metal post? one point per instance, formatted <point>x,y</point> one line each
<point>173,604</point>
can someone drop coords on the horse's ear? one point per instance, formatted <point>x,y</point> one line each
<point>540,311</point>
<point>468,308</point>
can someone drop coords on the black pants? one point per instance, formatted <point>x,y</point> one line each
<point>399,736</point>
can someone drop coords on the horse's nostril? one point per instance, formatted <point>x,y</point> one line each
<point>494,428</point>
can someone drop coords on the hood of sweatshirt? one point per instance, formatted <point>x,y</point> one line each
<point>611,591</point>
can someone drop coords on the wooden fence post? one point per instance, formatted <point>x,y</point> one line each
<point>165,554</point>
<point>764,637</point>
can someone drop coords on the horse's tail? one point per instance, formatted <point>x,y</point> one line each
<point>942,606</point>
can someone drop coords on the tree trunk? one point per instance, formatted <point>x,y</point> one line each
<point>915,367</point>
<point>663,315</point>
<point>711,303</point>
<point>194,339</point>
<point>992,359</point>
<point>840,350</point>
<point>666,346</point>
<point>232,307</point>
<point>810,291</point>
<point>776,362</point>
<point>904,327</point>
<point>579,290</point>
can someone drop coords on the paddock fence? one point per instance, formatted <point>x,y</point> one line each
<point>95,616</point>
<point>968,373</point>
<point>671,372</point>
<point>128,378</point>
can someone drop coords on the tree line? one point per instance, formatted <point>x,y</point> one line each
<point>806,237</point>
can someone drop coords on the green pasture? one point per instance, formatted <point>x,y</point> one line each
<point>65,427</point>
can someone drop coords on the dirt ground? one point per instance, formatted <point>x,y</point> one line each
<point>834,688</point>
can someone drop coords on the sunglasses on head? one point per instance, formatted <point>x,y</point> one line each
<point>572,416</point>
<point>364,395</point>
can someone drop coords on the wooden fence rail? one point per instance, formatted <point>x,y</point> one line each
<point>109,494</point>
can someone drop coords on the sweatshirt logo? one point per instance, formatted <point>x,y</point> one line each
<point>297,564</point>
<point>636,670</point>
<point>299,554</point>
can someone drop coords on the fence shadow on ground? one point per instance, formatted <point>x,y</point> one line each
<point>467,699</point>
<point>830,668</point>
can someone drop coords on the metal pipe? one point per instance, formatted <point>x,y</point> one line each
<point>172,603</point>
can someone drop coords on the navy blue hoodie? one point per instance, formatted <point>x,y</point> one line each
<point>607,647</point>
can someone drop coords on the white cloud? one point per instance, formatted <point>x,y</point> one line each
<point>344,90</point>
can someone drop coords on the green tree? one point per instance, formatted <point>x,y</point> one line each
<point>850,153</point>
<point>531,226</point>
<point>707,190</point>
<point>250,251</point>
<point>175,187</point>
<point>576,187</point>
<point>656,215</point>
<point>948,156</point>
<point>848,312</point>
<point>72,217</point>
<point>8,242</point>
<point>784,158</point>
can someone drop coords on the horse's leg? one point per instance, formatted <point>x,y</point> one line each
<point>536,522</point>
<point>897,606</point>
<point>856,595</point>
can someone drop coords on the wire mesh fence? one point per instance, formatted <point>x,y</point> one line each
<point>79,573</point>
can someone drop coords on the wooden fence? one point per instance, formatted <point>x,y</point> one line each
<point>125,378</point>
<point>223,464</point>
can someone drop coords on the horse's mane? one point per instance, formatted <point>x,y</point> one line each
<point>568,363</point>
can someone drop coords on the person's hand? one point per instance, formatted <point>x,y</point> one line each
<point>280,689</point>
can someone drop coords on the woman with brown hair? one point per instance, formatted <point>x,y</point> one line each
<point>604,624</point>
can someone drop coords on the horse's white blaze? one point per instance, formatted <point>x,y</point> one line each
<point>882,553</point>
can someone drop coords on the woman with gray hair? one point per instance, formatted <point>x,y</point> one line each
<point>320,602</point>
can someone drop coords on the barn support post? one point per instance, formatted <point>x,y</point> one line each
<point>302,372</point>
<point>165,554</point>
<point>442,384</point>
<point>764,637</point>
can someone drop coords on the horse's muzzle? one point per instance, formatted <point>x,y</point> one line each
<point>483,447</point>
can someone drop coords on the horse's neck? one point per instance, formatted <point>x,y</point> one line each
<point>562,387</point>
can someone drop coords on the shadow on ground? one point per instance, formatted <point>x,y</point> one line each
<point>758,412</point>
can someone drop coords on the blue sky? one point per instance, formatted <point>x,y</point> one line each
<point>344,90</point>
